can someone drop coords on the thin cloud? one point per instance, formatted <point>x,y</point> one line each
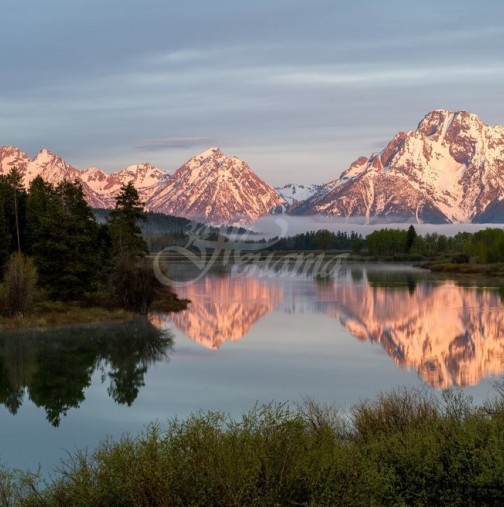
<point>173,142</point>
<point>372,76</point>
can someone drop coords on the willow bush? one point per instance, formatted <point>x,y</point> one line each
<point>403,448</point>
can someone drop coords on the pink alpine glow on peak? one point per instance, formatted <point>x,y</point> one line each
<point>450,169</point>
<point>213,188</point>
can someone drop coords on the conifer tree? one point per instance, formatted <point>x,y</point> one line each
<point>4,238</point>
<point>132,278</point>
<point>410,238</point>
<point>123,220</point>
<point>39,201</point>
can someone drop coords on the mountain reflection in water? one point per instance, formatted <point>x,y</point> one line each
<point>450,334</point>
<point>54,367</point>
<point>222,308</point>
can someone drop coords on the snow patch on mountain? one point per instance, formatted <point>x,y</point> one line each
<point>294,192</point>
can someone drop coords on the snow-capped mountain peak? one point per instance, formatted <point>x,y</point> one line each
<point>11,156</point>
<point>213,188</point>
<point>210,152</point>
<point>447,170</point>
<point>143,175</point>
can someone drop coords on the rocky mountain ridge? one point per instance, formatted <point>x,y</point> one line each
<point>209,187</point>
<point>99,188</point>
<point>294,193</point>
<point>450,169</point>
<point>212,188</point>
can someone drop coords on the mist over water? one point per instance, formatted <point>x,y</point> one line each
<point>273,225</point>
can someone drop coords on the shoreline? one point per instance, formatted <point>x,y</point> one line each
<point>49,315</point>
<point>72,315</point>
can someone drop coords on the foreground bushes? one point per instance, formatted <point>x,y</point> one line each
<point>404,448</point>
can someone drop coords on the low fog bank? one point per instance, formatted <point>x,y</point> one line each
<point>286,225</point>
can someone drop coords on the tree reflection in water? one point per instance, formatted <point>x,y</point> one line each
<point>54,367</point>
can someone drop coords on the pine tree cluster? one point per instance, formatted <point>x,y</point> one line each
<point>76,257</point>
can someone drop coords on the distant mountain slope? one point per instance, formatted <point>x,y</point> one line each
<point>143,176</point>
<point>294,192</point>
<point>215,189</point>
<point>492,214</point>
<point>99,188</point>
<point>51,167</point>
<point>447,170</point>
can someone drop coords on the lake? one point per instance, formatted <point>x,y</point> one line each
<point>269,334</point>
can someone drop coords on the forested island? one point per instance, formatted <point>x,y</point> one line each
<point>60,265</point>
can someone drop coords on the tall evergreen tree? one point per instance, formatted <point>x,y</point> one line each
<point>123,221</point>
<point>41,197</point>
<point>4,238</point>
<point>132,278</point>
<point>410,238</point>
<point>82,269</point>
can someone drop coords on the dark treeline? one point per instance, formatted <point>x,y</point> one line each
<point>160,231</point>
<point>485,246</point>
<point>319,240</point>
<point>50,241</point>
<point>154,223</point>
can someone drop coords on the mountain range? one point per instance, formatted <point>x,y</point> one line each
<point>450,169</point>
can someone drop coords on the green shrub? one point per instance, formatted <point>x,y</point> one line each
<point>404,448</point>
<point>20,281</point>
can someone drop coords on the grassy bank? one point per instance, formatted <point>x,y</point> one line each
<point>54,314</point>
<point>403,448</point>
<point>487,270</point>
<point>46,313</point>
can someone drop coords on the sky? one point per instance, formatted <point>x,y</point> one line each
<point>297,88</point>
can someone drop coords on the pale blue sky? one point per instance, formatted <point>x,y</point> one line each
<point>298,88</point>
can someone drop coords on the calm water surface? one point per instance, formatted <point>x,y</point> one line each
<point>270,336</point>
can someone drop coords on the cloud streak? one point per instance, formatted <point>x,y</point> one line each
<point>174,142</point>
